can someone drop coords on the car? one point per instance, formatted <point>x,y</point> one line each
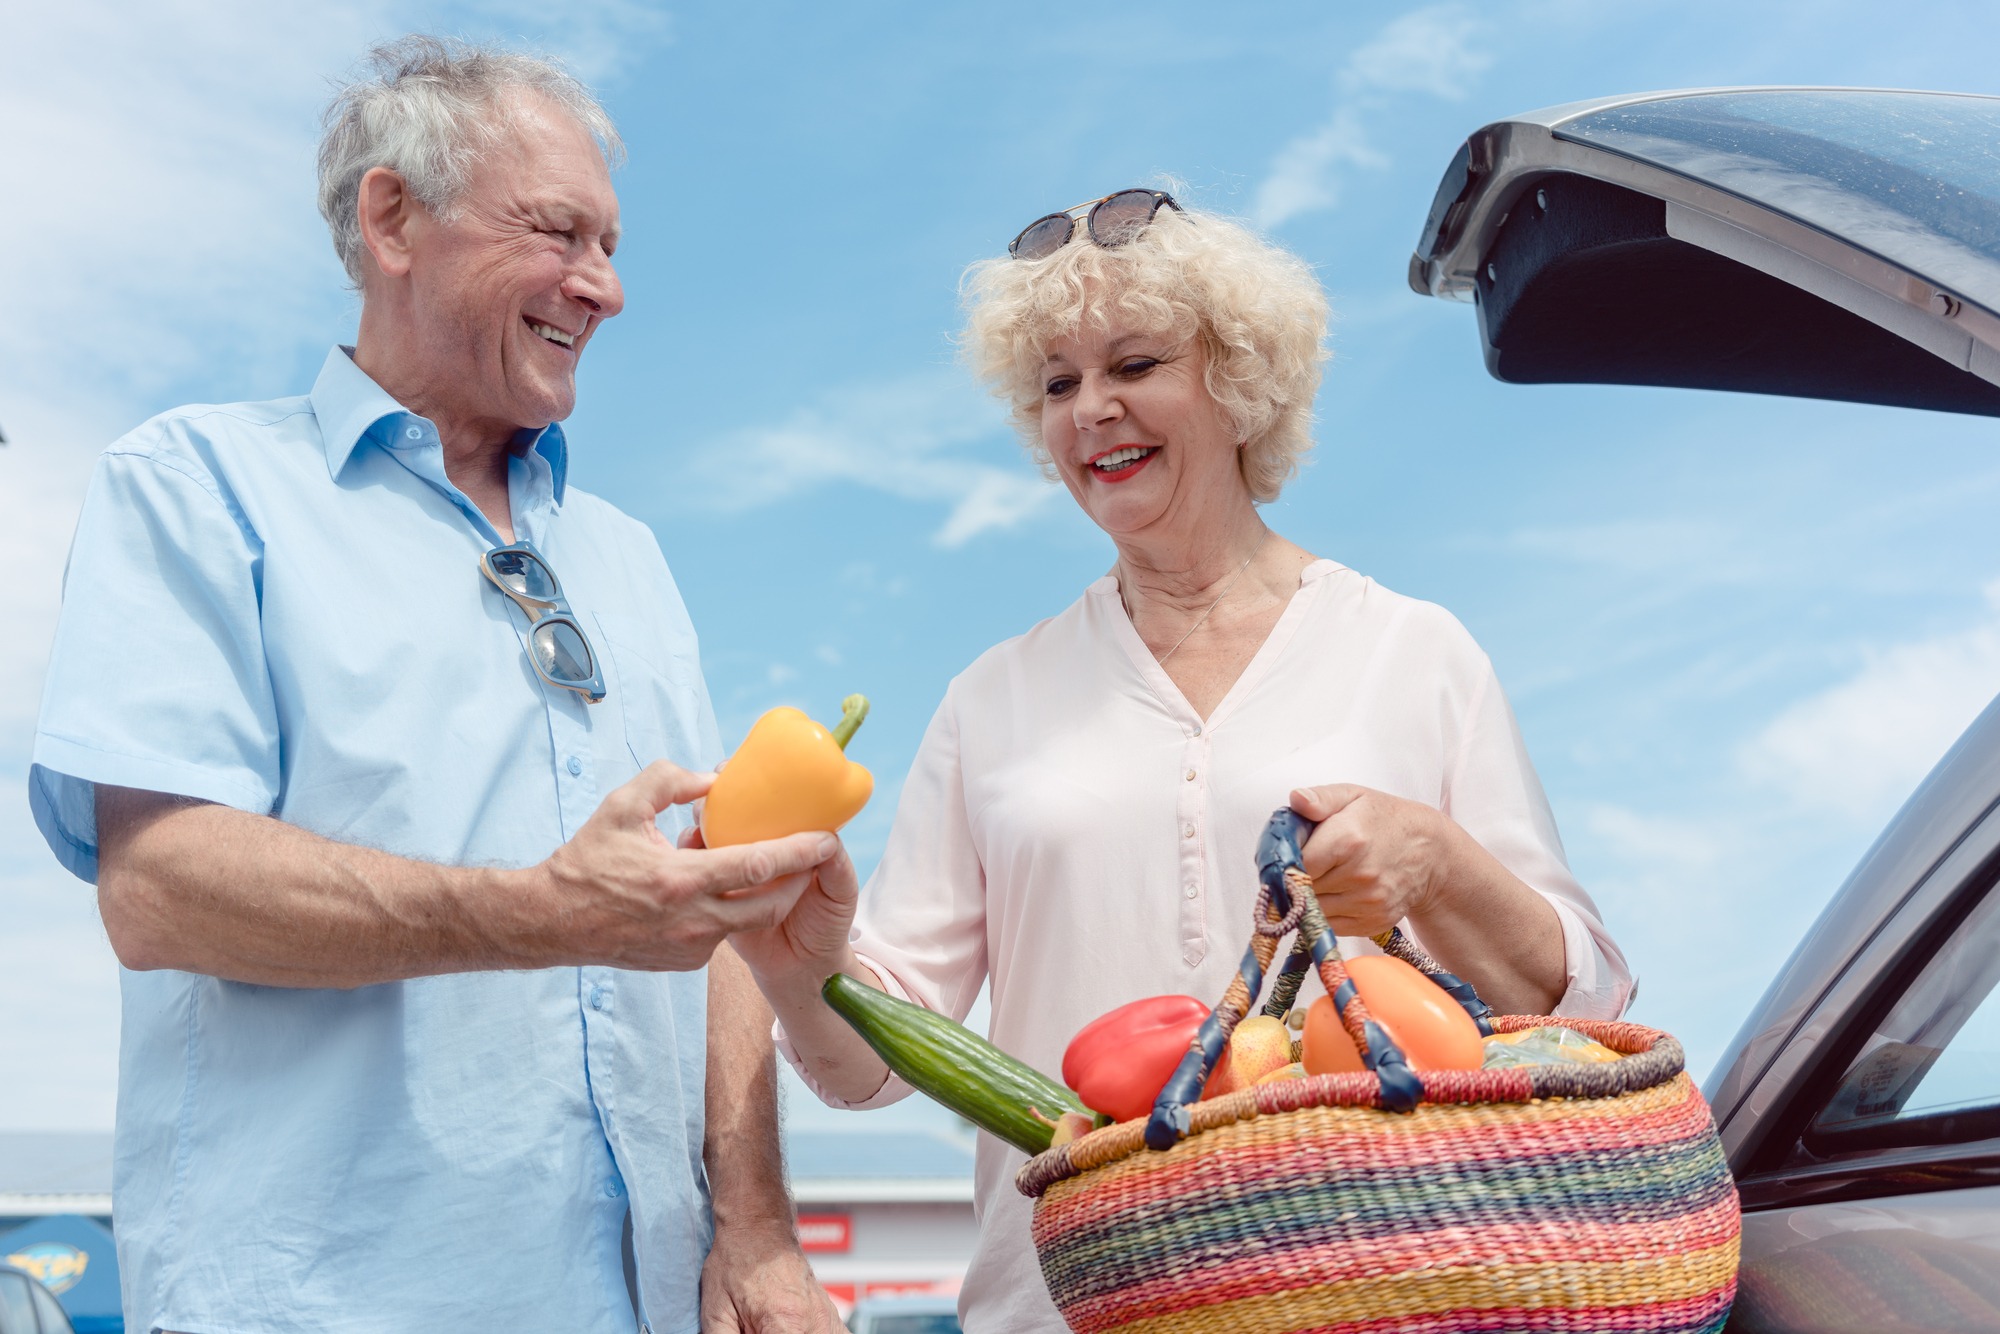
<point>1825,243</point>
<point>26,1307</point>
<point>911,1314</point>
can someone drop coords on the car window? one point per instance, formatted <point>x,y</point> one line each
<point>55,1320</point>
<point>17,1311</point>
<point>1915,177</point>
<point>1930,1072</point>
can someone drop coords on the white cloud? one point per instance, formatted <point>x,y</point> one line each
<point>1637,545</point>
<point>1428,52</point>
<point>1305,176</point>
<point>1669,844</point>
<point>1858,748</point>
<point>1711,882</point>
<point>599,40</point>
<point>919,439</point>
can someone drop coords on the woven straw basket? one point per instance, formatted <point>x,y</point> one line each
<point>1547,1198</point>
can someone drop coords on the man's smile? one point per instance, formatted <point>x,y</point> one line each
<point>551,333</point>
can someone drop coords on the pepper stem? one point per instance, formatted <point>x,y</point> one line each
<point>852,710</point>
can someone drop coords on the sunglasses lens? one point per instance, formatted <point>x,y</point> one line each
<point>562,652</point>
<point>1043,237</point>
<point>524,574</point>
<point>1122,216</point>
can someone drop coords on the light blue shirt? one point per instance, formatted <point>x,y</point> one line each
<point>278,607</point>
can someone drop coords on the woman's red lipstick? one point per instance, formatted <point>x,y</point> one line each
<point>1124,470</point>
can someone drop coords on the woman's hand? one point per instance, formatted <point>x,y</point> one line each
<point>790,961</point>
<point>1375,859</point>
<point>810,942</point>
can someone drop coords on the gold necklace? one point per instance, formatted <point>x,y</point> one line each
<point>1213,605</point>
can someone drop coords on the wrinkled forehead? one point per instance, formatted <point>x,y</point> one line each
<point>1109,321</point>
<point>537,148</point>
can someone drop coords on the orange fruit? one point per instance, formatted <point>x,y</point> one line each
<point>1433,1030</point>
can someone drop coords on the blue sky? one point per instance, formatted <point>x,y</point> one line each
<point>1737,630</point>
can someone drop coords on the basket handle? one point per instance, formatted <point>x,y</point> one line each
<point>1286,902</point>
<point>1392,942</point>
<point>1285,989</point>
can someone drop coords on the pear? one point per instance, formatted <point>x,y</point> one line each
<point>1259,1045</point>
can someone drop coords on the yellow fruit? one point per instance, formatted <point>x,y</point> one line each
<point>1072,1126</point>
<point>1284,1072</point>
<point>1259,1045</point>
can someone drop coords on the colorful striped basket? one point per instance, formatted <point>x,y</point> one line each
<point>1546,1198</point>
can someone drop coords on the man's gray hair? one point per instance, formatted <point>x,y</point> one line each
<point>427,108</point>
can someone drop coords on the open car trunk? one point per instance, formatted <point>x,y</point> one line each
<point>1817,243</point>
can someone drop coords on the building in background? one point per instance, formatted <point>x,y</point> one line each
<point>55,1220</point>
<point>883,1211</point>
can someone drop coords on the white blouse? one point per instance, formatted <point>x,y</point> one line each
<point>1074,831</point>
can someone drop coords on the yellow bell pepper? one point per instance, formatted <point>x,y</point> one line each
<point>788,777</point>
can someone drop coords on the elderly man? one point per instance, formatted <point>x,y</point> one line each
<point>367,726</point>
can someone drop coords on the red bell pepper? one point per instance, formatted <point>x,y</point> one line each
<point>1120,1060</point>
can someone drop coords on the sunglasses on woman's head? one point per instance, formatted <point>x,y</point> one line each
<point>1112,221</point>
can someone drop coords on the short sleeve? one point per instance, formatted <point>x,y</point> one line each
<point>157,678</point>
<point>922,922</point>
<point>1492,791</point>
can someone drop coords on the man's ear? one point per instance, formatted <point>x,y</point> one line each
<point>387,211</point>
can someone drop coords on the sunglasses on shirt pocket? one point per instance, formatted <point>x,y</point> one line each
<point>556,644</point>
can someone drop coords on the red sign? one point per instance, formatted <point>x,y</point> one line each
<point>923,1287</point>
<point>826,1234</point>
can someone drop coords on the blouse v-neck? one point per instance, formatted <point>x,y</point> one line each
<point>1154,673</point>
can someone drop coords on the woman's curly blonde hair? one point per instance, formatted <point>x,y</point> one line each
<point>1257,312</point>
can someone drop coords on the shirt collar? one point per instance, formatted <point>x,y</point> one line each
<point>350,407</point>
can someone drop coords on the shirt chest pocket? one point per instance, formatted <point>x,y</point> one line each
<point>656,690</point>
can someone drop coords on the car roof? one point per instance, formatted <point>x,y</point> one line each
<point>1820,242</point>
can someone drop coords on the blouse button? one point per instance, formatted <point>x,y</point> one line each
<point>1190,775</point>
<point>1187,831</point>
<point>1197,730</point>
<point>1190,891</point>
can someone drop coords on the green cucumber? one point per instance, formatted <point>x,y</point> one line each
<point>950,1064</point>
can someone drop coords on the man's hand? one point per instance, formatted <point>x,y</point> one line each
<point>207,889</point>
<point>1375,859</point>
<point>627,897</point>
<point>757,1281</point>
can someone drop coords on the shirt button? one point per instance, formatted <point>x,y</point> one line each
<point>575,766</point>
<point>1190,891</point>
<point>597,998</point>
<point>612,1190</point>
<point>1190,775</point>
<point>415,433</point>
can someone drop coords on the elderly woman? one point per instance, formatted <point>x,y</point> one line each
<point>1079,823</point>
